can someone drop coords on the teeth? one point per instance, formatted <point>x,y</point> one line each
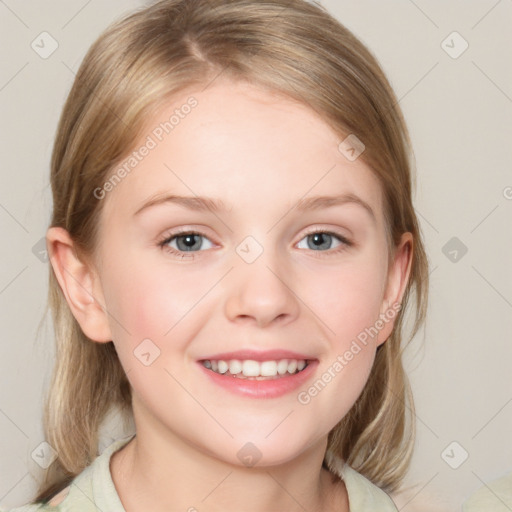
<point>282,366</point>
<point>251,368</point>
<point>235,367</point>
<point>222,367</point>
<point>268,369</point>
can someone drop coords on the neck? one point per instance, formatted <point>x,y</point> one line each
<point>150,473</point>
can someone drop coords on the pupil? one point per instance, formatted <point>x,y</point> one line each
<point>319,237</point>
<point>188,240</point>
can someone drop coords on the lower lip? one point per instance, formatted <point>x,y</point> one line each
<point>271,388</point>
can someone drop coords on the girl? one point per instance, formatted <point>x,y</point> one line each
<point>233,247</point>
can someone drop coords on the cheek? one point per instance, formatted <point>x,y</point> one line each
<point>139,302</point>
<point>347,302</point>
<point>148,301</point>
<point>347,298</point>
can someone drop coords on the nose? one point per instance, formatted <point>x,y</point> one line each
<point>261,293</point>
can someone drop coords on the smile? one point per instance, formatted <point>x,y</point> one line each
<point>251,369</point>
<point>259,379</point>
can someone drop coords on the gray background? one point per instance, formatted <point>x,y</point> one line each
<point>459,111</point>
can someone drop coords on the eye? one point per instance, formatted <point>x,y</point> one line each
<point>319,240</point>
<point>185,242</point>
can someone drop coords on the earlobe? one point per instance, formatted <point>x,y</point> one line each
<point>398,278</point>
<point>79,284</point>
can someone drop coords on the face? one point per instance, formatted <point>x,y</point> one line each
<point>270,268</point>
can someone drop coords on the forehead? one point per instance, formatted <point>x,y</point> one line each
<point>244,145</point>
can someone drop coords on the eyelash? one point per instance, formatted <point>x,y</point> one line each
<point>345,243</point>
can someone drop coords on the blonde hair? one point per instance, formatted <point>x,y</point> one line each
<point>287,46</point>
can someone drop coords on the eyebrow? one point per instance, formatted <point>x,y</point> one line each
<point>216,205</point>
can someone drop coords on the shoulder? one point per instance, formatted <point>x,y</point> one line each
<point>363,494</point>
<point>30,507</point>
<point>90,491</point>
<point>58,498</point>
<point>41,507</point>
<point>495,496</point>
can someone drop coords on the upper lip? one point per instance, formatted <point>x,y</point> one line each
<point>254,355</point>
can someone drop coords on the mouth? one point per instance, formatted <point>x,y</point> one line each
<point>256,374</point>
<point>251,369</point>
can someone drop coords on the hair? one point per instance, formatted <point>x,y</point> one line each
<point>289,47</point>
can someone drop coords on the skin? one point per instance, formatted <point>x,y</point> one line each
<point>260,153</point>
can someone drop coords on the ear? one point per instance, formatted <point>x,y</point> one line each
<point>398,277</point>
<point>80,285</point>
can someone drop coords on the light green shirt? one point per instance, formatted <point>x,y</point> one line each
<point>495,496</point>
<point>93,489</point>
